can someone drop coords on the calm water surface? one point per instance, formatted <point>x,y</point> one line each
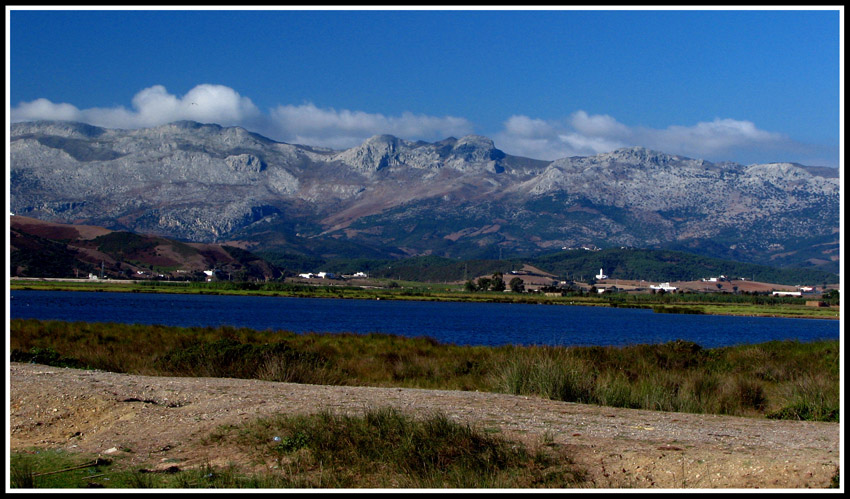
<point>447,322</point>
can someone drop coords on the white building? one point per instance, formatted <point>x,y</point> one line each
<point>308,275</point>
<point>601,275</point>
<point>663,286</point>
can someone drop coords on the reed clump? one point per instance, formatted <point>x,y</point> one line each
<point>777,379</point>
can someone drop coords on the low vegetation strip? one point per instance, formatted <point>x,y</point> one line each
<point>778,379</point>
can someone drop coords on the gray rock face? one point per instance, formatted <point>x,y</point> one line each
<point>245,163</point>
<point>385,152</point>
<point>210,183</point>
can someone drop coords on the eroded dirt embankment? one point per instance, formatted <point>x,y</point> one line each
<point>157,420</point>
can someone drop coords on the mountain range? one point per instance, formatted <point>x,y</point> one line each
<point>390,198</point>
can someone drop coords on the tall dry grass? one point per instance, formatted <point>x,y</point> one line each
<point>780,379</point>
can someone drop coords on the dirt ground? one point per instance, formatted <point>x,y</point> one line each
<point>162,421</point>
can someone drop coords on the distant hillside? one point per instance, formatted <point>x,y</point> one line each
<point>665,265</point>
<point>45,249</point>
<point>651,265</point>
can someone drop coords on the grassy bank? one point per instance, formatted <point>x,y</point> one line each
<point>700,303</point>
<point>780,379</point>
<point>381,449</point>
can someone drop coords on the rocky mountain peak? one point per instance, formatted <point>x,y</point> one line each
<point>376,153</point>
<point>382,140</point>
<point>183,127</point>
<point>640,156</point>
<point>476,148</point>
<point>629,158</point>
<point>68,129</point>
<point>477,141</point>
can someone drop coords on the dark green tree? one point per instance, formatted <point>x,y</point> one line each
<point>516,285</point>
<point>497,283</point>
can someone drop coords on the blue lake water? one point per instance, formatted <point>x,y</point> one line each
<point>448,322</point>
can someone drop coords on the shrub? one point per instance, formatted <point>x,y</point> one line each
<point>46,356</point>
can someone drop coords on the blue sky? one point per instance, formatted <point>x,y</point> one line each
<point>739,85</point>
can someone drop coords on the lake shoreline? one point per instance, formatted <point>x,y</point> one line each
<point>342,292</point>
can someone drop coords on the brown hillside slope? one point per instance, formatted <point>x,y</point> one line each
<point>122,254</point>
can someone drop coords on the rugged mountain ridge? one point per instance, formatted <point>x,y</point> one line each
<point>459,197</point>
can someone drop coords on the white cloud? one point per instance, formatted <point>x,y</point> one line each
<point>584,134</point>
<point>304,124</point>
<point>579,134</point>
<point>151,107</point>
<point>308,124</point>
<point>525,127</point>
<point>597,125</point>
<point>583,144</point>
<point>712,137</point>
<point>41,109</point>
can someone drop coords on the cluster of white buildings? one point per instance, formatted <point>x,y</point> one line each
<point>801,290</point>
<point>664,286</point>
<point>330,275</point>
<point>320,275</point>
<point>583,247</point>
